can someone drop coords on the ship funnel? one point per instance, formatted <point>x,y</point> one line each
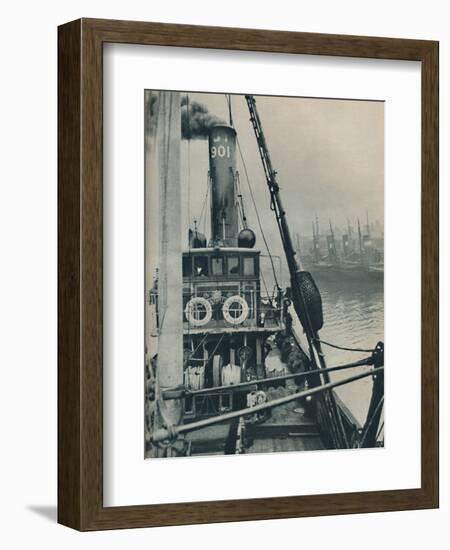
<point>222,166</point>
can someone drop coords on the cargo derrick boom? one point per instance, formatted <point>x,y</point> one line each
<point>305,295</point>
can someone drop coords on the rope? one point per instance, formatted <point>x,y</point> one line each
<point>359,350</point>
<point>257,213</point>
<point>215,349</point>
<point>240,201</point>
<point>265,287</point>
<point>228,98</point>
<point>375,412</point>
<point>379,431</point>
<point>204,205</point>
<point>270,174</point>
<point>201,342</point>
<point>240,214</point>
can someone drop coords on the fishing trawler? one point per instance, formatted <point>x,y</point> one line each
<point>239,369</point>
<point>357,260</point>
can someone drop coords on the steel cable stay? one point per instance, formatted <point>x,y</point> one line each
<point>242,212</point>
<point>205,200</point>
<point>277,285</point>
<point>343,348</point>
<point>240,203</point>
<point>371,420</point>
<point>201,342</point>
<point>215,349</point>
<point>380,430</point>
<point>257,213</point>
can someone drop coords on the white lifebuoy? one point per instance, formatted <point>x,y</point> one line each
<point>240,305</point>
<point>198,311</point>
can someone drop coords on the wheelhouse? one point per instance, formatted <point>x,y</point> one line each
<point>221,288</point>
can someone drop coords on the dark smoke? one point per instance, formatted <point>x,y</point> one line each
<point>151,111</point>
<point>196,120</point>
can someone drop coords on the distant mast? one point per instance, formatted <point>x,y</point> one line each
<point>367,224</point>
<point>332,252</point>
<point>361,256</point>
<point>316,247</point>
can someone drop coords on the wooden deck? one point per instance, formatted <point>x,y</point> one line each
<point>288,429</point>
<point>211,440</point>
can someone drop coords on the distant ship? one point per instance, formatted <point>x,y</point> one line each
<point>358,258</point>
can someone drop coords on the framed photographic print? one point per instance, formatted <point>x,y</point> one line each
<point>248,274</point>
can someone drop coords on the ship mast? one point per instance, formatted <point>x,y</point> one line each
<point>361,257</point>
<point>274,188</point>
<point>170,305</point>
<point>306,297</point>
<point>333,256</point>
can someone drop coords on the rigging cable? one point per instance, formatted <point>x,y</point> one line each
<point>205,200</point>
<point>369,424</point>
<point>360,350</point>
<point>380,430</point>
<point>228,100</point>
<point>240,201</point>
<point>214,351</point>
<point>257,213</point>
<point>201,342</point>
<point>269,297</point>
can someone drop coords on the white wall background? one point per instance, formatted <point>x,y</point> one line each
<point>28,272</point>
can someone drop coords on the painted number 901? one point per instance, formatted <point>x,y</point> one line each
<point>221,151</point>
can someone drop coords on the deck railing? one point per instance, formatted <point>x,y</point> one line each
<point>172,432</point>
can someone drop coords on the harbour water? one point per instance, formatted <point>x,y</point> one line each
<point>353,317</point>
<point>353,311</point>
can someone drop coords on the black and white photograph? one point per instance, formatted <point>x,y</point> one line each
<point>264,261</point>
<point>217,218</point>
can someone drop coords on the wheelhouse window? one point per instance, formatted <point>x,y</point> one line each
<point>217,266</point>
<point>187,266</point>
<point>233,265</point>
<point>201,266</point>
<point>249,266</point>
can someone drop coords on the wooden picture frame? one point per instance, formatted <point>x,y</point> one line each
<point>80,271</point>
